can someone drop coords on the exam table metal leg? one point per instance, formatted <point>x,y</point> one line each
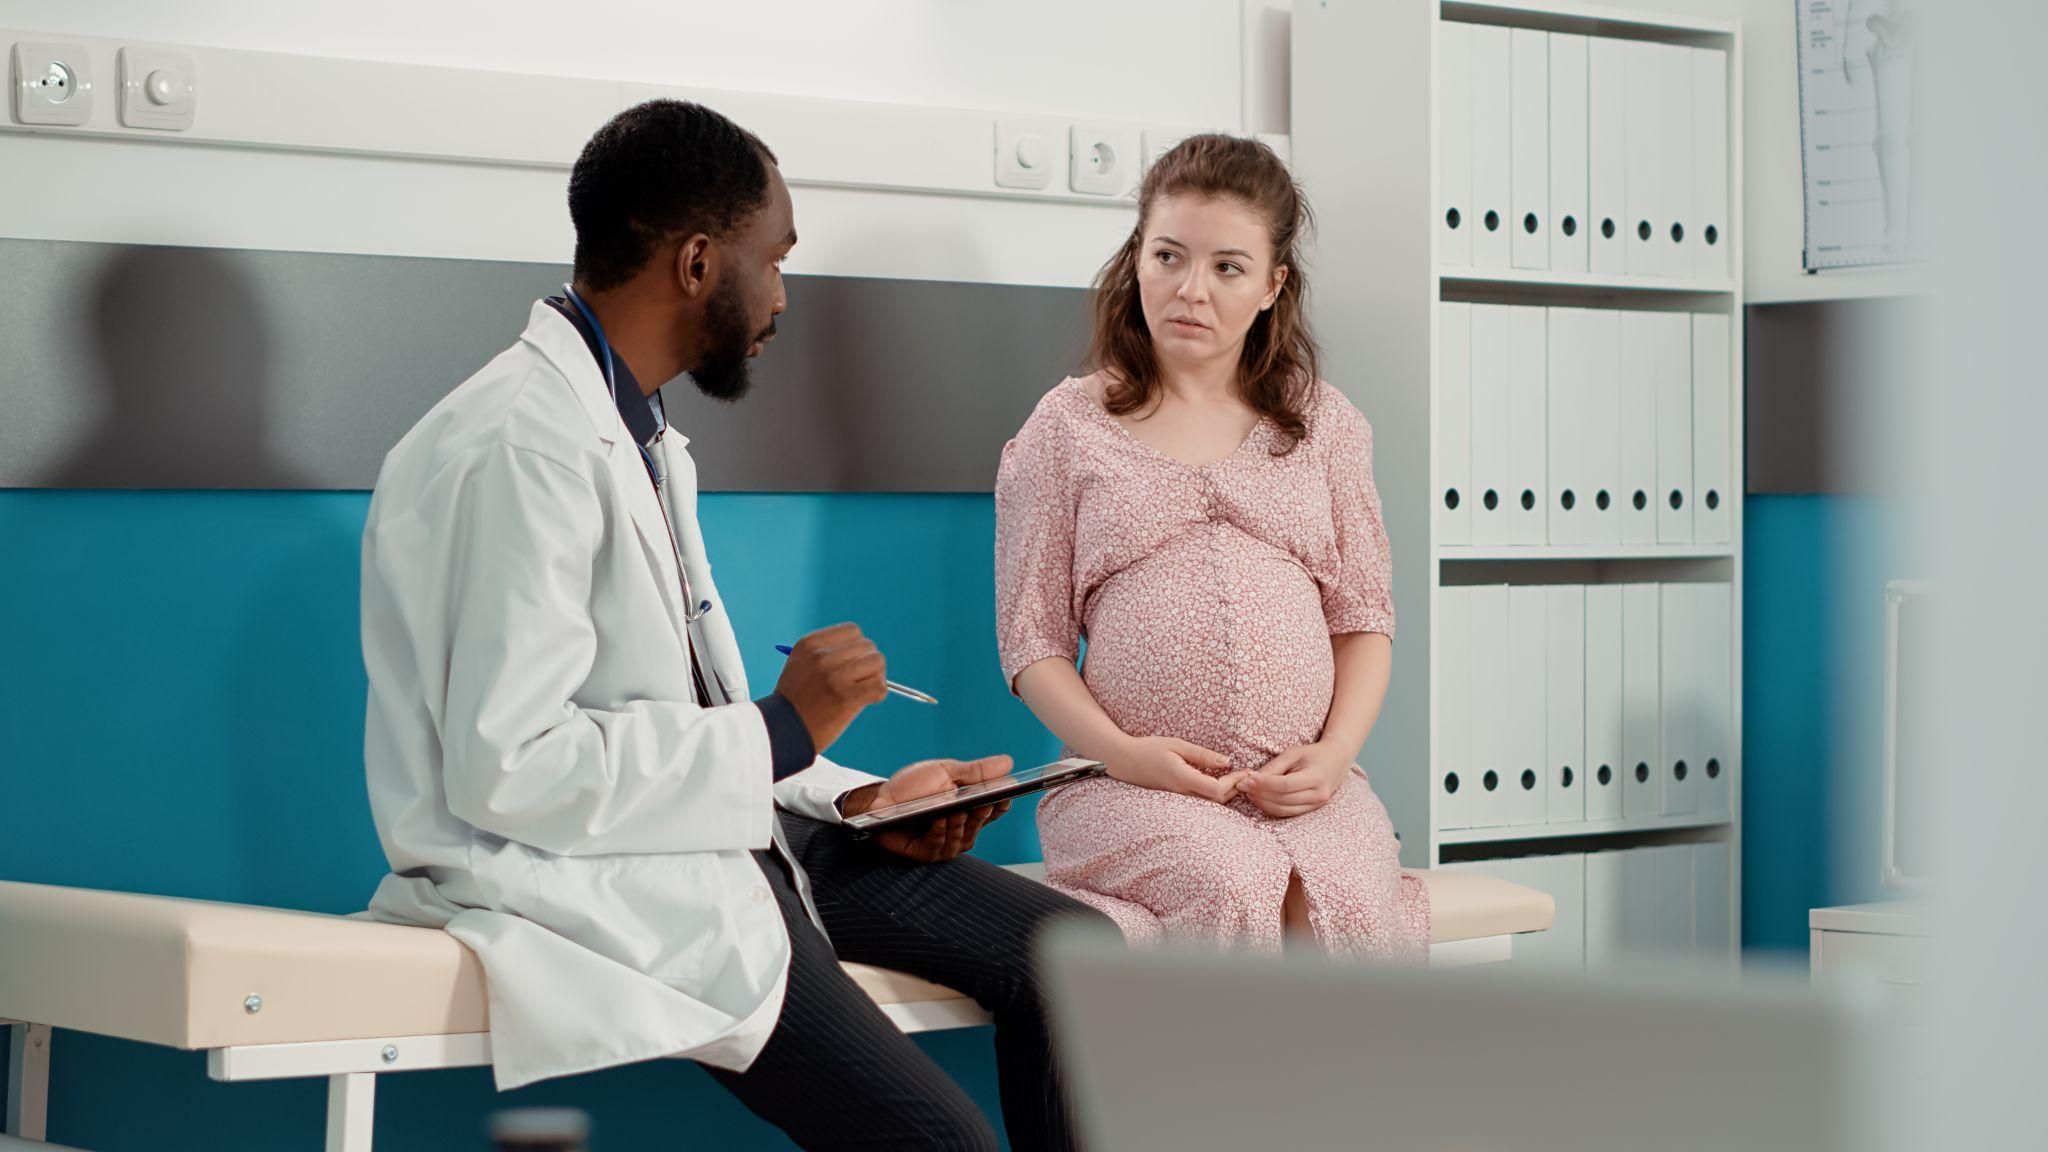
<point>351,1111</point>
<point>28,1081</point>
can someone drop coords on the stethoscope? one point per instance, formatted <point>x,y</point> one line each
<point>693,608</point>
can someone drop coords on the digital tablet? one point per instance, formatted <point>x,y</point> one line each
<point>1019,783</point>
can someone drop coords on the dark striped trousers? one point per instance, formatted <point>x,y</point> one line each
<point>836,1074</point>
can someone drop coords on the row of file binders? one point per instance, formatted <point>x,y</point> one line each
<point>1635,902</point>
<point>1582,426</point>
<point>1564,703</point>
<point>1569,153</point>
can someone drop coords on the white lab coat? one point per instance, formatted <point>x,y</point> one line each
<point>544,783</point>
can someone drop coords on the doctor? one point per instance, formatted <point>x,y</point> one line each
<point>565,764</point>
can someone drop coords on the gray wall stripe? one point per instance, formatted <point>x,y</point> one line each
<point>1828,395</point>
<point>156,367</point>
<point>126,367</point>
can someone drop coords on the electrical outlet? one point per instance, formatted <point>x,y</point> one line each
<point>1024,153</point>
<point>158,88</point>
<point>52,84</point>
<point>1102,159</point>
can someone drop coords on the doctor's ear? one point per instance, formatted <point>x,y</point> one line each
<point>694,264</point>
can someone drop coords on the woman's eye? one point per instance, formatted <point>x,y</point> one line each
<point>1166,257</point>
<point>1228,268</point>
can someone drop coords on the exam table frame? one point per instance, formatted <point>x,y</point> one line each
<point>351,1067</point>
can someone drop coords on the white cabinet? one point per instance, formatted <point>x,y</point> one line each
<point>1873,946</point>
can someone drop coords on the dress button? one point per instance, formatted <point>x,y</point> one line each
<point>760,894</point>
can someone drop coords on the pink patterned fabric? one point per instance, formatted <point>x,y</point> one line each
<point>1207,597</point>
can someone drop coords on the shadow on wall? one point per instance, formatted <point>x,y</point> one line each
<point>185,356</point>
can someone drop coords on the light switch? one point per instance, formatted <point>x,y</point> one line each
<point>52,84</point>
<point>1024,153</point>
<point>159,88</point>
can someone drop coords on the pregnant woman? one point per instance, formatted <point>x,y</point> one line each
<point>1201,512</point>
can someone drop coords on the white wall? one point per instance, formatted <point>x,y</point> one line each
<point>1141,61</point>
<point>1167,61</point>
<point>1146,61</point>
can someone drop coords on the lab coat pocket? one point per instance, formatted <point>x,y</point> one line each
<point>654,913</point>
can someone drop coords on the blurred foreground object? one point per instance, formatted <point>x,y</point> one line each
<point>541,1130</point>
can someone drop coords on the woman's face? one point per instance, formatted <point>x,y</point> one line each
<point>1205,272</point>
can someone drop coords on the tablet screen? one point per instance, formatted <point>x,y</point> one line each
<point>1019,783</point>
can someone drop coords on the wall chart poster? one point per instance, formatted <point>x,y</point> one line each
<point>1858,129</point>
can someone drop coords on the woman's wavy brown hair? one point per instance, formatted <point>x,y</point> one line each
<point>1279,365</point>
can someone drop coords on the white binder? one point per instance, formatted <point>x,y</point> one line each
<point>1679,692</point>
<point>1454,143</point>
<point>1642,912</point>
<point>1637,495</point>
<point>1715,623</point>
<point>1605,765</point>
<point>1600,472</point>
<point>1565,729</point>
<point>1568,929</point>
<point>1489,721</point>
<point>1569,501</point>
<point>1454,424</point>
<point>1604,897</point>
<point>1712,460</point>
<point>1675,75</point>
<point>1672,348</point>
<point>1674,899</point>
<point>1713,912</point>
<point>1491,156</point>
<point>1564,878</point>
<point>1642,785</point>
<point>1528,668</point>
<point>1528,420</point>
<point>1453,708</point>
<point>1645,152</point>
<point>1608,222</point>
<point>1710,240</point>
<point>1490,463</point>
<point>1568,121</point>
<point>1529,148</point>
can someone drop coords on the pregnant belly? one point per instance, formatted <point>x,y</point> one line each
<point>1215,638</point>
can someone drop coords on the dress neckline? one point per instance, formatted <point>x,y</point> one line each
<point>1080,387</point>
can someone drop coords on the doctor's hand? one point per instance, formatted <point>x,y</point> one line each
<point>831,675</point>
<point>946,836</point>
<point>1169,764</point>
<point>1299,780</point>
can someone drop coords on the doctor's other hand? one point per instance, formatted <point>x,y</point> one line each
<point>1169,764</point>
<point>946,836</point>
<point>831,675</point>
<point>1299,780</point>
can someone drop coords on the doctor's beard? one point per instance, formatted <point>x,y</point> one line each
<point>724,373</point>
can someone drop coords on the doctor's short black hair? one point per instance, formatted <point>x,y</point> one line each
<point>658,171</point>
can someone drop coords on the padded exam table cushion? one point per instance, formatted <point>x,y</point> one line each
<point>180,973</point>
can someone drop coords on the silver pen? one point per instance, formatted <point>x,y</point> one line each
<point>903,690</point>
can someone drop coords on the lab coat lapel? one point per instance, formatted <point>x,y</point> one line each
<point>550,333</point>
<point>717,652</point>
<point>650,522</point>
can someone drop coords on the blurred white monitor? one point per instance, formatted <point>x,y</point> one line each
<point>1909,764</point>
<point>1195,1051</point>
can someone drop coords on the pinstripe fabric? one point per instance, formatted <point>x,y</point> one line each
<point>837,1074</point>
